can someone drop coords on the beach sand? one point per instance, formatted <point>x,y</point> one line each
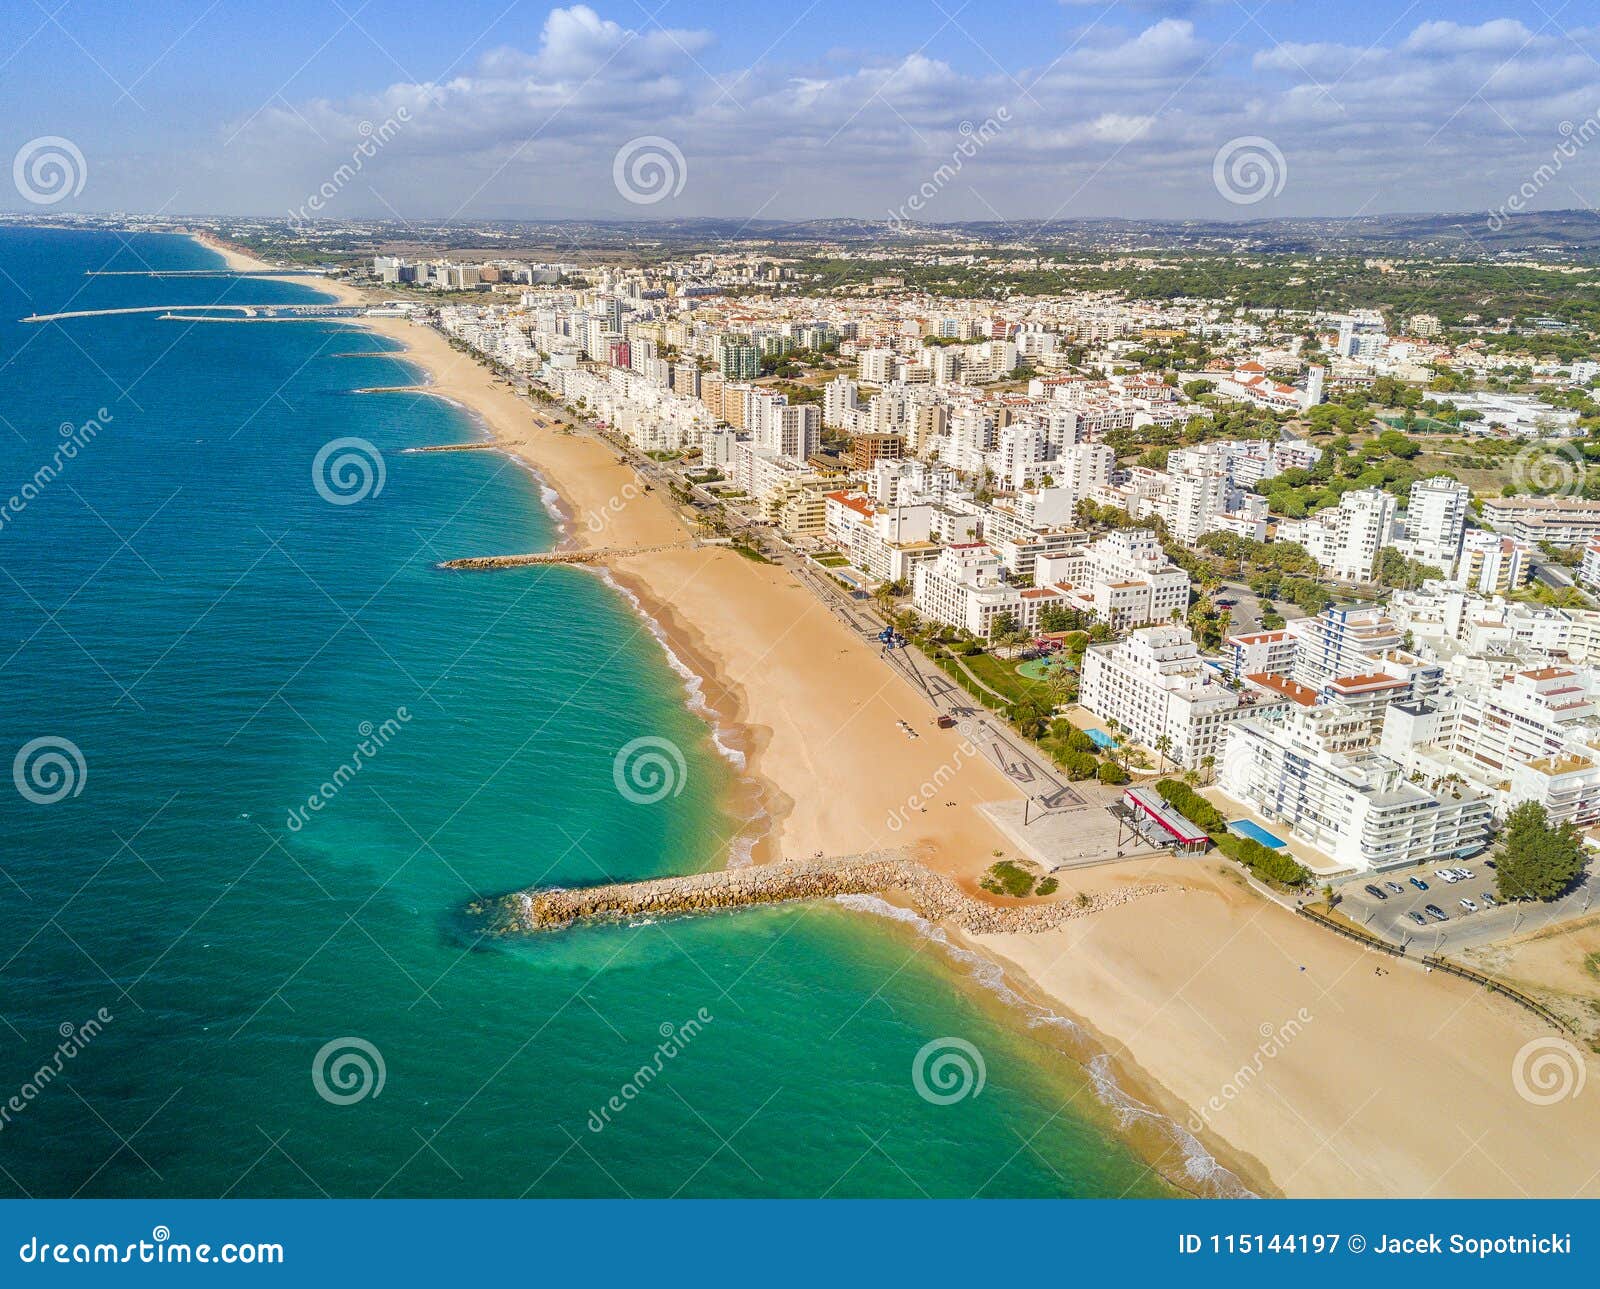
<point>1316,1073</point>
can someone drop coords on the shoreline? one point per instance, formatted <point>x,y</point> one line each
<point>1177,992</point>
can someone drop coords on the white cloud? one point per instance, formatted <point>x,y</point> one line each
<point>1123,122</point>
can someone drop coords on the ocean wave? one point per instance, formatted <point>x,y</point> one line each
<point>741,851</point>
<point>1199,1165</point>
<point>693,684</point>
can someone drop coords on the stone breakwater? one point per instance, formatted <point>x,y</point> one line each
<point>880,873</point>
<point>598,555</point>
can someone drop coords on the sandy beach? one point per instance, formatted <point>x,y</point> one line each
<point>1313,1066</point>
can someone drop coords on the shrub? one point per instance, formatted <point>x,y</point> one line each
<point>1111,772</point>
<point>1008,878</point>
<point>1192,806</point>
<point>1077,740</point>
<point>1079,765</point>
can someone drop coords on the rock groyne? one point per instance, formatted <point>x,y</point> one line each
<point>597,555</point>
<point>880,873</point>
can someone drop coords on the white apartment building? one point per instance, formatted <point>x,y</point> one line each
<point>1436,522</point>
<point>840,402</point>
<point>1155,686</point>
<point>965,587</point>
<point>1124,580</point>
<point>888,541</point>
<point>1589,570</point>
<point>778,427</point>
<point>1494,565</point>
<point>1259,653</point>
<point>1342,640</point>
<point>1313,770</point>
<point>1561,521</point>
<point>1534,736</point>
<point>1345,539</point>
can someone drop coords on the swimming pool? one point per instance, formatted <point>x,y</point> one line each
<point>1101,739</point>
<point>1255,833</point>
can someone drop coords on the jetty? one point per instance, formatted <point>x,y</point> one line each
<point>198,312</point>
<point>488,446</point>
<point>205,272</point>
<point>893,873</point>
<point>597,555</point>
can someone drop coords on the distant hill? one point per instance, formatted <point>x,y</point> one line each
<point>1466,234</point>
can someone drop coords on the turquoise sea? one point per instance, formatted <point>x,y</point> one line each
<point>203,641</point>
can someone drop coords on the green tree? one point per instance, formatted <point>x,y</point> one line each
<point>1535,860</point>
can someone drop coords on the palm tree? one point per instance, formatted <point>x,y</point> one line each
<point>1208,764</point>
<point>1163,745</point>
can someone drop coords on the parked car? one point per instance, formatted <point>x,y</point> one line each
<point>1370,889</point>
<point>1419,883</point>
<point>1395,888</point>
<point>1488,898</point>
<point>1467,904</point>
<point>1444,875</point>
<point>1437,913</point>
<point>1463,874</point>
<point>1417,918</point>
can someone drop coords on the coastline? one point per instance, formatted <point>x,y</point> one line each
<point>1398,1084</point>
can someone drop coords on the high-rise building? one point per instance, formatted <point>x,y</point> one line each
<point>741,360</point>
<point>1436,521</point>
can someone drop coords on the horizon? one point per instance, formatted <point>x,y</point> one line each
<point>46,219</point>
<point>1024,111</point>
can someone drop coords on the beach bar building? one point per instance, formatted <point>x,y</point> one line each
<point>1163,825</point>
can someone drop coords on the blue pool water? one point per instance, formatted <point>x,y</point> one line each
<point>1255,832</point>
<point>1102,739</point>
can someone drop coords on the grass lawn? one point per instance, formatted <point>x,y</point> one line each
<point>1001,676</point>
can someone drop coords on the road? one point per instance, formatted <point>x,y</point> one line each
<point>1464,930</point>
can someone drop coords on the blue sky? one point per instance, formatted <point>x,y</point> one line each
<point>863,108</point>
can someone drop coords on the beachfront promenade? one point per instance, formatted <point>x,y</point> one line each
<point>893,873</point>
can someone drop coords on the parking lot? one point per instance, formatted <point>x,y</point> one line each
<point>1464,929</point>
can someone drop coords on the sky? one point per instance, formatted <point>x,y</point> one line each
<point>917,110</point>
